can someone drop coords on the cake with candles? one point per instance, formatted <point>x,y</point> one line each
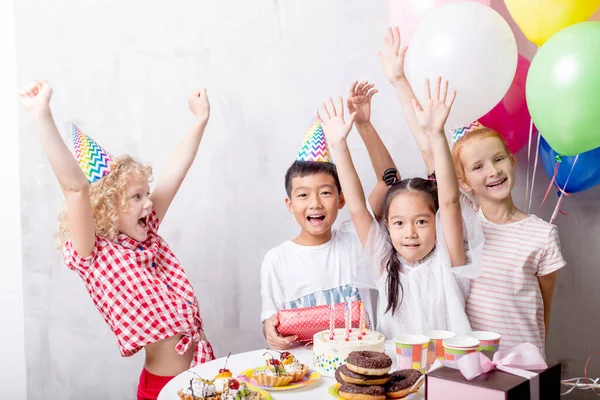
<point>332,346</point>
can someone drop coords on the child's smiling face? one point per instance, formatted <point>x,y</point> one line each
<point>411,224</point>
<point>314,200</point>
<point>489,169</point>
<point>133,218</point>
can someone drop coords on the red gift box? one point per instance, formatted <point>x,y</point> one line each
<point>305,322</point>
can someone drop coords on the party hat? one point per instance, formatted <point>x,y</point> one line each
<point>314,145</point>
<point>460,132</point>
<point>93,160</point>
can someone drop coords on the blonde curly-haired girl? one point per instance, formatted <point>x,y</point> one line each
<point>109,236</point>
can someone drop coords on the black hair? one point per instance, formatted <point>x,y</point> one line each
<point>427,188</point>
<point>300,169</point>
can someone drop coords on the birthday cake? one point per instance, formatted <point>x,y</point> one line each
<point>329,354</point>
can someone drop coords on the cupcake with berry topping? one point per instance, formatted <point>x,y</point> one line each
<point>202,389</point>
<point>237,390</point>
<point>273,374</point>
<point>293,367</point>
<point>222,379</point>
<point>199,389</point>
<point>280,372</point>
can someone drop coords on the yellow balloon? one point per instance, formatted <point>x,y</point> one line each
<point>540,19</point>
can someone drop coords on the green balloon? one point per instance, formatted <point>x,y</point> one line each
<point>563,89</point>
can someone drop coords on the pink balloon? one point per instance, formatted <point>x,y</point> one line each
<point>511,116</point>
<point>406,14</point>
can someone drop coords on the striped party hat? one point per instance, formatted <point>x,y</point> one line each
<point>93,160</point>
<point>314,145</point>
<point>460,132</point>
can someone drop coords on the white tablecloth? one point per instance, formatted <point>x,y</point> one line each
<point>239,362</point>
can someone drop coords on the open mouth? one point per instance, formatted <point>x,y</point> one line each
<point>315,219</point>
<point>496,184</point>
<point>143,222</point>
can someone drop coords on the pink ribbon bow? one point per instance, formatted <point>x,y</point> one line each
<point>515,361</point>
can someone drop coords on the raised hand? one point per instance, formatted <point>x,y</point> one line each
<point>199,105</point>
<point>392,60</point>
<point>35,96</point>
<point>336,129</point>
<point>359,100</point>
<point>434,111</point>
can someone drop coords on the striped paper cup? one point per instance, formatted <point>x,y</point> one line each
<point>436,349</point>
<point>411,351</point>
<point>457,347</point>
<point>489,341</point>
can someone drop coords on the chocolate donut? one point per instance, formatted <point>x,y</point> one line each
<point>369,362</point>
<point>349,376</point>
<point>401,382</point>
<point>338,377</point>
<point>355,392</point>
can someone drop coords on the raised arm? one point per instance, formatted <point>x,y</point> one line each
<point>432,116</point>
<point>392,62</point>
<point>359,102</point>
<point>181,160</point>
<point>35,97</point>
<point>336,131</point>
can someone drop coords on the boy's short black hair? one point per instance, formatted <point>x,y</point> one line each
<point>303,168</point>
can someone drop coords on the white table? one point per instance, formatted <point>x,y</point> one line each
<point>239,362</point>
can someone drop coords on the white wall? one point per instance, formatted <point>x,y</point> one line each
<point>12,350</point>
<point>123,70</point>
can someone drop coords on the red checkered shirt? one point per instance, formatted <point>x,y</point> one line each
<point>142,292</point>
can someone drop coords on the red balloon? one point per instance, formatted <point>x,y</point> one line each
<point>511,116</point>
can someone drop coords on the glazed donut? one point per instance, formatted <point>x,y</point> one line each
<point>369,362</point>
<point>401,382</point>
<point>352,377</point>
<point>355,392</point>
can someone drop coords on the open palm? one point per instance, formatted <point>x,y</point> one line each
<point>359,100</point>
<point>434,111</point>
<point>336,129</point>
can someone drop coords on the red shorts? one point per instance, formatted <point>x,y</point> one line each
<point>151,385</point>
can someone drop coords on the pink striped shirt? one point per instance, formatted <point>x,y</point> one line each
<point>506,298</point>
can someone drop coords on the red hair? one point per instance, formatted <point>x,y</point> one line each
<point>477,134</point>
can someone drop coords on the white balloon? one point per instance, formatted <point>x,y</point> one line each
<point>472,47</point>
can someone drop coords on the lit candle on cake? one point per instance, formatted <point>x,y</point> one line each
<point>332,321</point>
<point>363,318</point>
<point>347,320</point>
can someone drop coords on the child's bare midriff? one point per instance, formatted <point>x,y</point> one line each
<point>163,360</point>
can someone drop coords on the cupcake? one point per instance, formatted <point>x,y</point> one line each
<point>273,374</point>
<point>293,367</point>
<point>199,389</point>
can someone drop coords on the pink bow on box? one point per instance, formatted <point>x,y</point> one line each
<point>518,360</point>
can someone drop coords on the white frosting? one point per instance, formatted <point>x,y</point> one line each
<point>231,394</point>
<point>294,367</point>
<point>202,388</point>
<point>328,355</point>
<point>221,384</point>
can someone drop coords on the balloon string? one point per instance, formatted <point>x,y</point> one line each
<point>537,152</point>
<point>584,383</point>
<point>563,193</point>
<point>528,162</point>
<point>550,185</point>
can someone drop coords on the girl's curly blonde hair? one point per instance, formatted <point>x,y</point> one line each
<point>105,194</point>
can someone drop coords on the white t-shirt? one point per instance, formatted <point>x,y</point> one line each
<point>296,276</point>
<point>434,292</point>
